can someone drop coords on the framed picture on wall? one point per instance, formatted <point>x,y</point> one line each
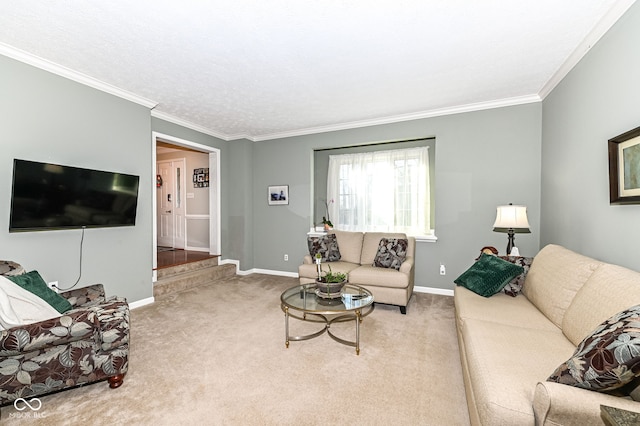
<point>624,168</point>
<point>278,195</point>
<point>201,178</point>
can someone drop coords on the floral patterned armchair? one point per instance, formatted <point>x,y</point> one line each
<point>86,344</point>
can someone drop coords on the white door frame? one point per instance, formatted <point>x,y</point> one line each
<point>214,192</point>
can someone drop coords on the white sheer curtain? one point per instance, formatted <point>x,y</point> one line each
<point>386,191</point>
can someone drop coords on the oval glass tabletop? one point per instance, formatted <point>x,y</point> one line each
<point>305,298</point>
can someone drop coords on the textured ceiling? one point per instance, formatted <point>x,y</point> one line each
<point>262,69</point>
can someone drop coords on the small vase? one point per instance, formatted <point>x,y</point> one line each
<point>326,227</point>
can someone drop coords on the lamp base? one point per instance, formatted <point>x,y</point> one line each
<point>511,237</point>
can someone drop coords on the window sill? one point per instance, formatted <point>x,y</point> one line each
<point>419,238</point>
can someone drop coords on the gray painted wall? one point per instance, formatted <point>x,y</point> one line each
<point>49,118</point>
<point>484,159</point>
<point>238,232</point>
<point>597,101</point>
<point>46,117</point>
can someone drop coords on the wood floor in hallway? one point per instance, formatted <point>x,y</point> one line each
<point>173,257</point>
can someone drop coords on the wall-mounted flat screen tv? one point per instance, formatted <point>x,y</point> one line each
<point>49,196</point>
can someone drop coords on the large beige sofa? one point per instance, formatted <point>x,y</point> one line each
<point>509,346</point>
<point>358,250</point>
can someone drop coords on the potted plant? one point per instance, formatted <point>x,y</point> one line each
<point>326,220</point>
<point>327,223</point>
<point>330,284</point>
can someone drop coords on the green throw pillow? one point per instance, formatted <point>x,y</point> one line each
<point>488,275</point>
<point>33,282</point>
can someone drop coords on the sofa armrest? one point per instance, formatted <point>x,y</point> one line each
<point>559,404</point>
<point>85,296</point>
<point>113,319</point>
<point>73,325</point>
<point>307,260</point>
<point>407,265</point>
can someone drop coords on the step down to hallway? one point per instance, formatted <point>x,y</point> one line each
<point>182,277</point>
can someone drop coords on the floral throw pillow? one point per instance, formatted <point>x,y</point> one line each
<point>514,287</point>
<point>326,245</point>
<point>391,253</point>
<point>9,268</point>
<point>606,359</point>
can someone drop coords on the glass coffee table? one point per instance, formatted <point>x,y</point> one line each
<point>302,302</point>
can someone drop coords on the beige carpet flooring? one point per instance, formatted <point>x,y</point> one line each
<point>215,355</point>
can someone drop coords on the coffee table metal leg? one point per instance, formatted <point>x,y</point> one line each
<point>286,326</point>
<point>358,320</point>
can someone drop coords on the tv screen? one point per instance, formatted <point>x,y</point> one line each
<point>49,196</point>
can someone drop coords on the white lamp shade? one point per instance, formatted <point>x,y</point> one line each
<point>511,217</point>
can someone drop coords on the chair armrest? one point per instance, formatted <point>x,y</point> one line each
<point>407,265</point>
<point>85,296</point>
<point>306,260</point>
<point>559,404</point>
<point>113,319</point>
<point>76,324</point>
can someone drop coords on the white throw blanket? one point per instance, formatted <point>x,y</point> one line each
<point>19,306</point>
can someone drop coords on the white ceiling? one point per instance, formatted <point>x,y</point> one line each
<point>264,69</point>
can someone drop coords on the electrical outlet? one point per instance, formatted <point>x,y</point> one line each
<point>53,285</point>
<point>443,270</point>
<point>286,257</point>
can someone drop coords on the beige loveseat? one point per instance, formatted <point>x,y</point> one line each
<point>509,346</point>
<point>358,251</point>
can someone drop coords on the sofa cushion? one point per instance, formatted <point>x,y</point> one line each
<point>33,282</point>
<point>606,359</point>
<point>311,271</point>
<point>350,244</point>
<point>502,374</point>
<point>504,310</point>
<point>369,275</point>
<point>326,246</point>
<point>554,278</point>
<point>514,287</point>
<point>610,289</point>
<point>391,253</point>
<point>370,244</point>
<point>488,275</point>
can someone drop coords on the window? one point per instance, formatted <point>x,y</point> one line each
<point>386,191</point>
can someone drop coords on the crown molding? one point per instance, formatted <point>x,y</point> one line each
<point>46,65</point>
<point>520,100</point>
<point>188,124</point>
<point>601,28</point>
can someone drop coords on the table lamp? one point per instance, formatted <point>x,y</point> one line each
<point>512,220</point>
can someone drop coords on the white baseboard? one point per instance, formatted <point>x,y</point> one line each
<point>202,249</point>
<point>271,272</point>
<point>140,303</point>
<point>257,270</point>
<point>417,289</point>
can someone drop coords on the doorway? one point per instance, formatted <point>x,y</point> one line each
<point>203,219</point>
